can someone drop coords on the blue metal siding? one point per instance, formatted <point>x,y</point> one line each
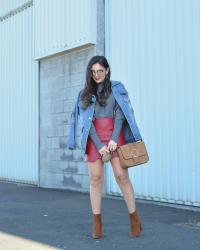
<point>153,47</point>
<point>63,25</point>
<point>9,5</point>
<point>19,100</point>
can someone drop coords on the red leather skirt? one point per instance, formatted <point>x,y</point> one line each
<point>104,128</point>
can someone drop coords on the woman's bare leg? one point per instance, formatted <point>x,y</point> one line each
<point>95,170</point>
<point>122,178</point>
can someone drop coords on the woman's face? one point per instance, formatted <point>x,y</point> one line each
<point>98,72</point>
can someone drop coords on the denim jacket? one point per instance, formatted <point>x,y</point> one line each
<point>130,128</point>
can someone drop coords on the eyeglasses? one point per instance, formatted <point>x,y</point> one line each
<point>99,72</point>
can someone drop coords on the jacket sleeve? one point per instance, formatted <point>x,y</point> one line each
<point>72,135</point>
<point>133,127</point>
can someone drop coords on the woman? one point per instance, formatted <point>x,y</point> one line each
<point>107,120</point>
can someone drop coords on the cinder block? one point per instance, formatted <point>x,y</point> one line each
<point>55,142</point>
<point>44,142</point>
<point>67,155</point>
<point>46,120</point>
<point>70,180</point>
<point>57,106</point>
<point>68,117</point>
<point>59,94</point>
<point>77,155</point>
<point>59,119</point>
<point>83,180</point>
<point>57,83</point>
<point>57,130</point>
<point>63,142</point>
<point>66,129</point>
<point>43,153</point>
<point>44,85</point>
<point>54,154</point>
<point>69,105</point>
<point>77,79</point>
<point>82,168</point>
<point>72,164</point>
<point>48,166</point>
<point>51,180</point>
<point>48,143</point>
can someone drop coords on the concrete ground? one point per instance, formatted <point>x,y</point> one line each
<point>33,218</point>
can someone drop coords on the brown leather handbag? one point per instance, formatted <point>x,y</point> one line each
<point>132,154</point>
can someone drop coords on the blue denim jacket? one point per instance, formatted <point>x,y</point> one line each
<point>130,128</point>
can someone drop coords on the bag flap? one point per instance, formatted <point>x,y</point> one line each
<point>133,150</point>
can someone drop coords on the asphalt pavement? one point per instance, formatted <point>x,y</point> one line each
<point>33,218</point>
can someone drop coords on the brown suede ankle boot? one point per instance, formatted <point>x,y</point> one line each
<point>135,224</point>
<point>97,226</point>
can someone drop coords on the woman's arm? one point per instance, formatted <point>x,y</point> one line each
<point>95,138</point>
<point>119,119</point>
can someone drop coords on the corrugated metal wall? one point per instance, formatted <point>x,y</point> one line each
<point>63,25</point>
<point>19,99</point>
<point>153,47</point>
<point>8,5</point>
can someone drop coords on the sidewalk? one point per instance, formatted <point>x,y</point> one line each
<point>33,218</point>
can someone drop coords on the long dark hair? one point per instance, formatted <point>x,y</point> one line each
<point>90,87</point>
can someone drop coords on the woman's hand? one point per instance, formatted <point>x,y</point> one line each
<point>104,150</point>
<point>112,145</point>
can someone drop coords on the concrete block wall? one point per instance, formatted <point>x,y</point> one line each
<point>61,78</point>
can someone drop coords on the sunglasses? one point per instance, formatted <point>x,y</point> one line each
<point>99,72</point>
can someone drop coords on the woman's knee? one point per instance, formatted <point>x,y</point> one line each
<point>122,179</point>
<point>96,180</point>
